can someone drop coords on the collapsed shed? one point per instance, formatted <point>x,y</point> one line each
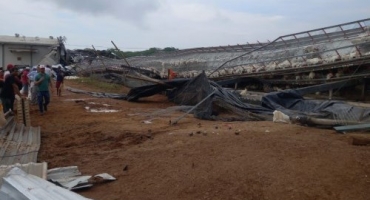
<point>211,102</point>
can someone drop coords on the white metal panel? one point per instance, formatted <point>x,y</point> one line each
<point>26,58</point>
<point>19,185</point>
<point>37,169</point>
<point>63,172</point>
<point>70,178</point>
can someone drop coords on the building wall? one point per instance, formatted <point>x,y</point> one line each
<point>23,58</point>
<point>1,56</point>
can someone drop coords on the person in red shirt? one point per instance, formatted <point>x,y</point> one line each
<point>24,80</point>
<point>9,90</point>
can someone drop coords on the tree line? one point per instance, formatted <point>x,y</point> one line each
<point>118,54</point>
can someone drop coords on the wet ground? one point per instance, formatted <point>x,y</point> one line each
<point>196,159</point>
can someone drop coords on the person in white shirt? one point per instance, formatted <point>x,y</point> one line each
<point>48,70</point>
<point>7,73</point>
<point>32,94</point>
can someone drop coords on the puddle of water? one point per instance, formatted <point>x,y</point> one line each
<point>147,122</point>
<point>104,104</point>
<point>104,110</point>
<point>71,77</point>
<point>79,99</point>
<point>100,110</point>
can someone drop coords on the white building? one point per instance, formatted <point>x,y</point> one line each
<point>22,51</point>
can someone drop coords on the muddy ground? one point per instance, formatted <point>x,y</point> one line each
<point>197,159</point>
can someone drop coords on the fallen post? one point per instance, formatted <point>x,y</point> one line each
<point>351,128</point>
<point>143,78</point>
<point>324,122</point>
<point>327,87</point>
<point>121,54</point>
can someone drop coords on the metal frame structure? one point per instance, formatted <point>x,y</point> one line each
<point>320,35</point>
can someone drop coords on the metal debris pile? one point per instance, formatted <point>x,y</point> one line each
<point>21,178</point>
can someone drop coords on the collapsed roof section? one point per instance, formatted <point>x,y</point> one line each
<point>301,59</point>
<point>212,102</point>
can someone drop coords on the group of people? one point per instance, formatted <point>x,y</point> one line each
<point>35,84</point>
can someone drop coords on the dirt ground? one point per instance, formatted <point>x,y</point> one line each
<point>197,159</point>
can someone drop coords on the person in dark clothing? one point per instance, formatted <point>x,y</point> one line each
<point>7,73</point>
<point>1,79</point>
<point>9,90</point>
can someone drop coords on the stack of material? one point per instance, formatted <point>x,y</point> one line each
<point>23,110</point>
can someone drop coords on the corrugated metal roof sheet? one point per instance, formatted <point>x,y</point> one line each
<point>70,178</point>
<point>63,172</point>
<point>18,144</point>
<point>73,183</point>
<point>19,185</point>
<point>28,40</point>
<point>37,169</point>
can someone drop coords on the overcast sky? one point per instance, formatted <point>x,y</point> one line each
<point>141,24</point>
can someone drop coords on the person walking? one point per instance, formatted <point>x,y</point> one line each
<point>32,95</point>
<point>59,82</point>
<point>42,81</point>
<point>9,90</point>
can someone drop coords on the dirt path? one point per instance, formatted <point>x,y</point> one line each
<point>197,159</point>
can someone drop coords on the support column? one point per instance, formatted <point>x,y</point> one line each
<point>31,59</point>
<point>363,91</point>
<point>330,94</point>
<point>236,86</point>
<point>3,56</point>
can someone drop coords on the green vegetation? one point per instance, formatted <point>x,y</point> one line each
<point>113,53</point>
<point>99,85</point>
<point>116,54</point>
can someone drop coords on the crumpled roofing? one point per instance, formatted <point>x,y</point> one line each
<point>37,169</point>
<point>18,185</point>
